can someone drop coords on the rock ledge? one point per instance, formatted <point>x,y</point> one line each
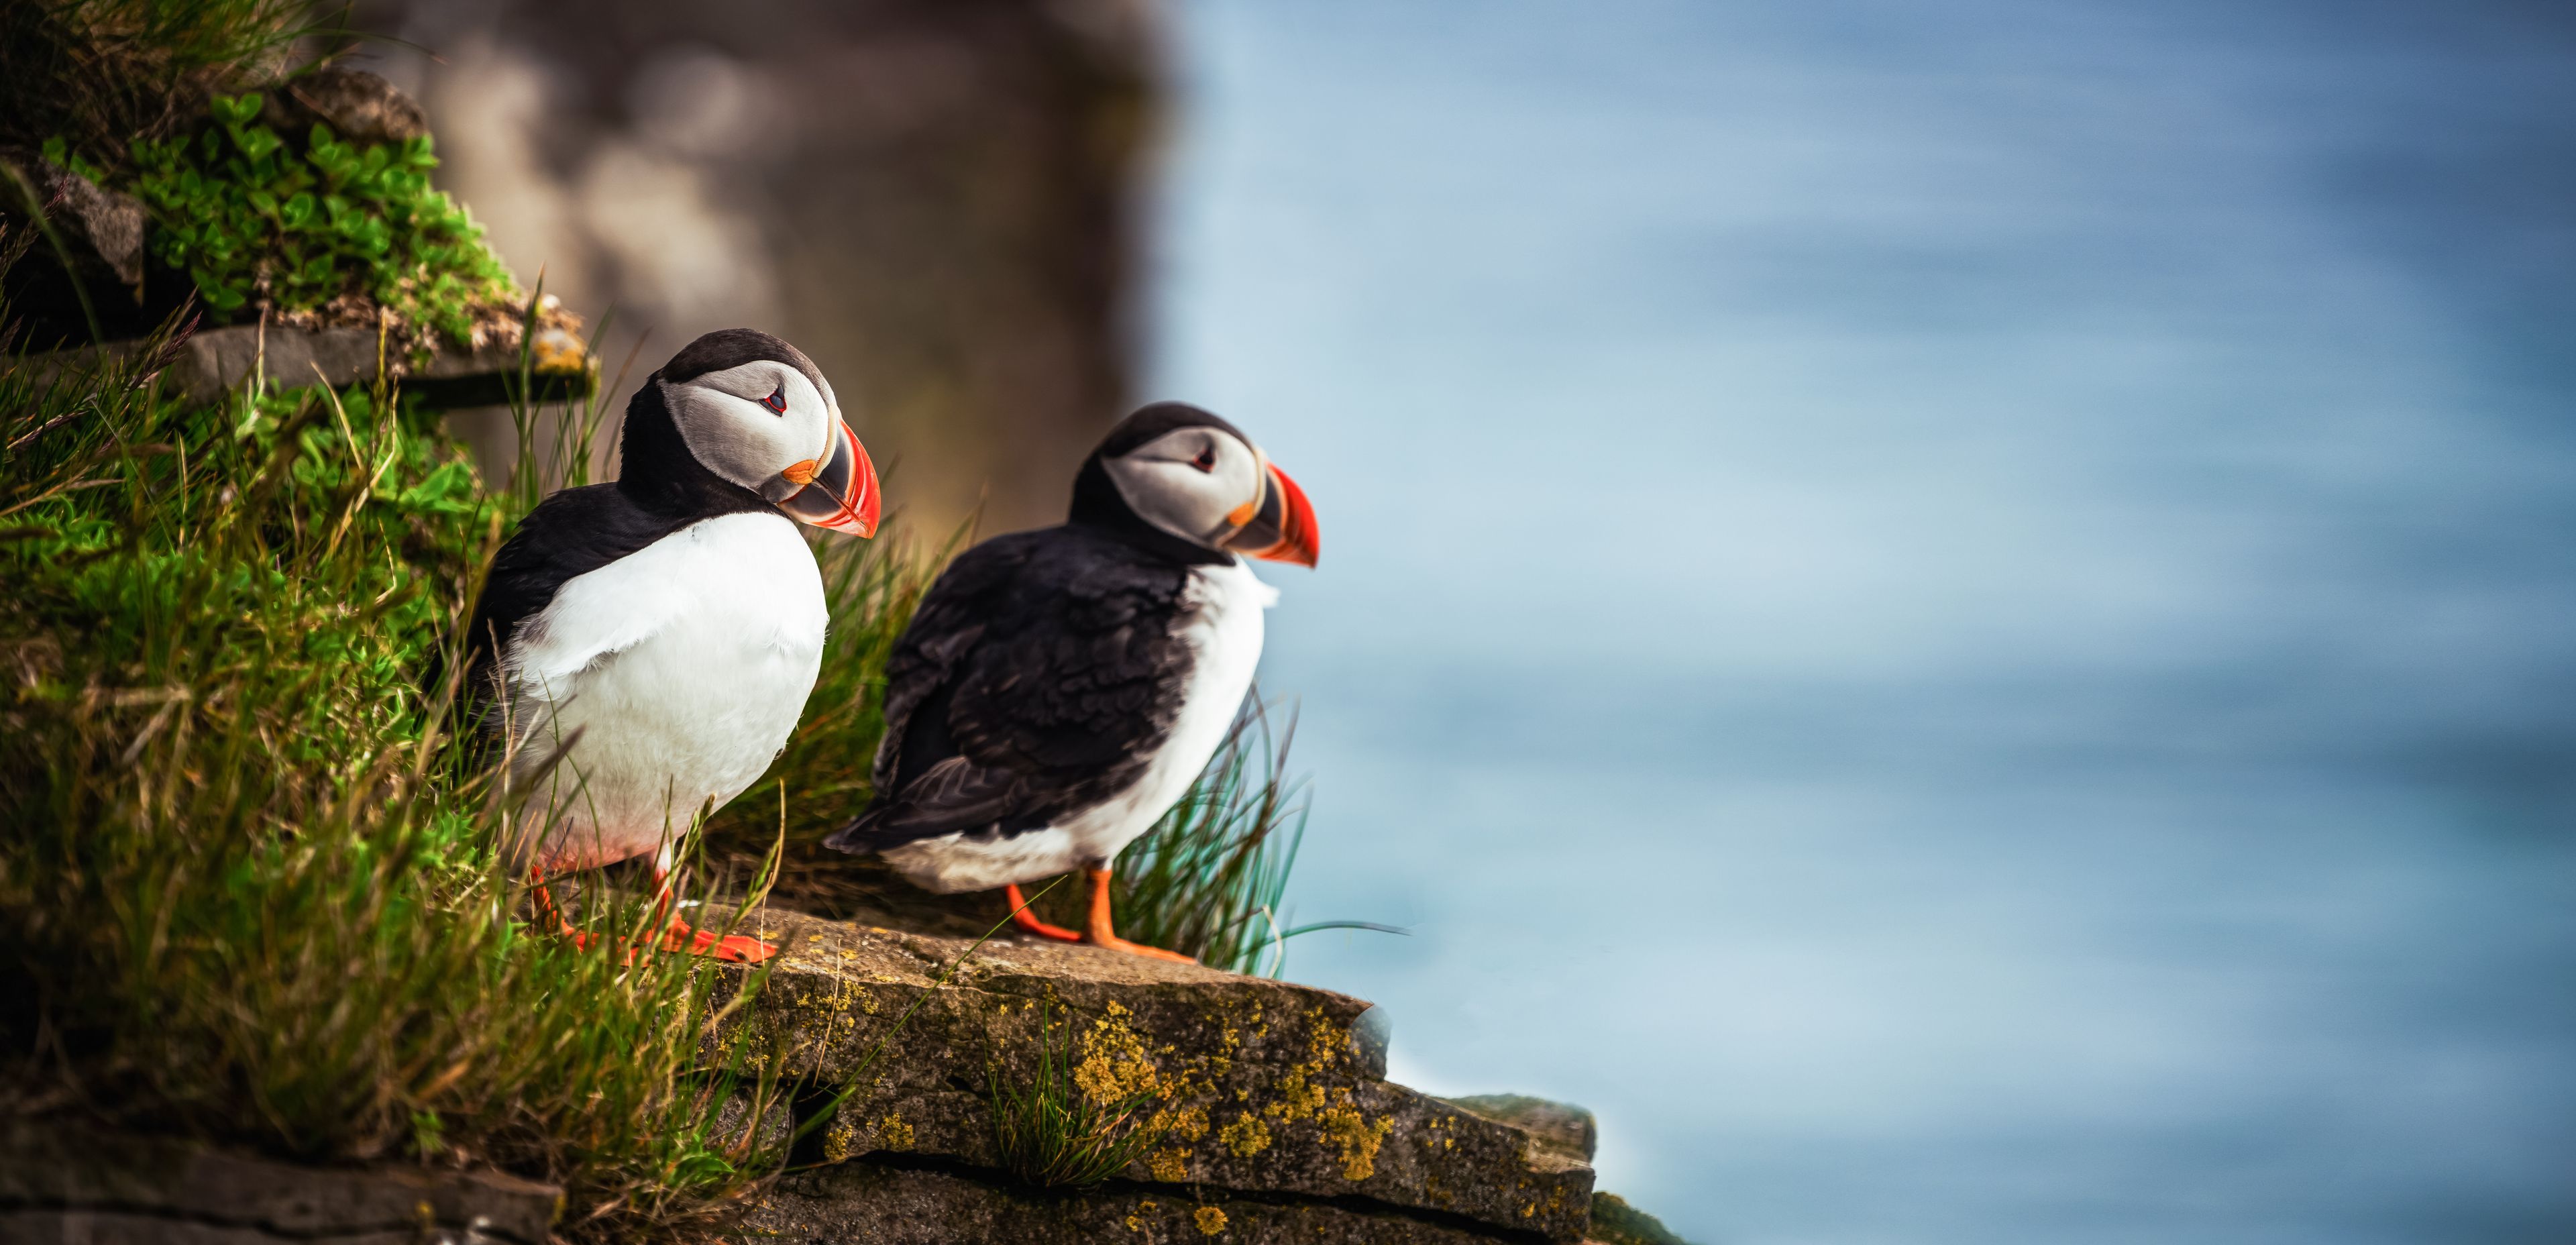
<point>1272,1111</point>
<point>60,1183</point>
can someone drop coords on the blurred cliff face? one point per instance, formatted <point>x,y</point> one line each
<point>937,200</point>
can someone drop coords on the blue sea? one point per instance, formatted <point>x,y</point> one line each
<point>1960,617</point>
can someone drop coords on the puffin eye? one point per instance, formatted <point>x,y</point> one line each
<point>1206,461</point>
<point>776,401</point>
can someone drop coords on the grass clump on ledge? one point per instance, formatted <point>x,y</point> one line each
<point>1052,1131</point>
<point>247,894</point>
<point>1210,878</point>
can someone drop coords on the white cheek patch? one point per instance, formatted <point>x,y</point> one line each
<point>1164,489</point>
<point>1175,497</point>
<point>722,419</point>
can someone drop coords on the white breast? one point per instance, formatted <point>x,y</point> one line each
<point>667,678</point>
<point>1221,623</point>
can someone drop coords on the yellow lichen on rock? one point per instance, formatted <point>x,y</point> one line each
<point>1211,1220</point>
<point>1358,1139</point>
<point>1115,1064</point>
<point>1171,1165</point>
<point>842,997</point>
<point>1299,1096</point>
<point>1187,1123</point>
<point>893,1133</point>
<point>840,1140</point>
<point>1246,1136</point>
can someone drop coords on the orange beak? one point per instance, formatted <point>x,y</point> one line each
<point>840,493</point>
<point>1279,526</point>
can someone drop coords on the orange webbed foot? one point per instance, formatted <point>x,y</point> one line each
<point>1103,933</point>
<point>683,939</point>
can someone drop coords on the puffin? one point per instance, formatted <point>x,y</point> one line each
<point>1058,690</point>
<point>641,649</point>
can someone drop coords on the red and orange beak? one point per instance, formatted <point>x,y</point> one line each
<point>840,493</point>
<point>1278,526</point>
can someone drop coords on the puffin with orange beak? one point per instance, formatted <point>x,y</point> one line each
<point>642,649</point>
<point>1059,690</point>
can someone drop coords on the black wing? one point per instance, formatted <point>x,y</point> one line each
<point>1039,676</point>
<point>573,532</point>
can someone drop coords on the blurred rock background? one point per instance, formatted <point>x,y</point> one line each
<point>937,199</point>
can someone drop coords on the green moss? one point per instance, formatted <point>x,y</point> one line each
<point>1615,1222</point>
<point>305,220</point>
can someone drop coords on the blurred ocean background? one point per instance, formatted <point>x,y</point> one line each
<point>1961,617</point>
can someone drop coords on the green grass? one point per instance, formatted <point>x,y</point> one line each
<point>1210,878</point>
<point>101,74</point>
<point>1207,880</point>
<point>1049,1132</point>
<point>248,894</point>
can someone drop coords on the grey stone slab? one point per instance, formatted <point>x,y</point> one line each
<point>212,362</point>
<point>1568,1129</point>
<point>864,1202</point>
<point>61,1183</point>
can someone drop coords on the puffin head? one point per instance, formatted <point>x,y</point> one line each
<point>756,413</point>
<point>1180,473</point>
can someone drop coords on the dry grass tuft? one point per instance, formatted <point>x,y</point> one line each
<point>103,73</point>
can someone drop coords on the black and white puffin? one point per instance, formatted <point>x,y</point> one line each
<point>643,648</point>
<point>1060,689</point>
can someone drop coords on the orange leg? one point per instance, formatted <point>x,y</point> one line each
<point>684,938</point>
<point>546,909</point>
<point>679,937</point>
<point>1028,921</point>
<point>1102,934</point>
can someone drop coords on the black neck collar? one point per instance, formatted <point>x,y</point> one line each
<point>1097,504</point>
<point>660,474</point>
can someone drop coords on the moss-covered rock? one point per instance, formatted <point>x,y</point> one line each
<point>1257,1086</point>
<point>1561,1126</point>
<point>1615,1222</point>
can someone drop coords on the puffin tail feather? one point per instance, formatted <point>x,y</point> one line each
<point>858,837</point>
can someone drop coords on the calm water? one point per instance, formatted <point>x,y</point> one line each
<point>1961,617</point>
